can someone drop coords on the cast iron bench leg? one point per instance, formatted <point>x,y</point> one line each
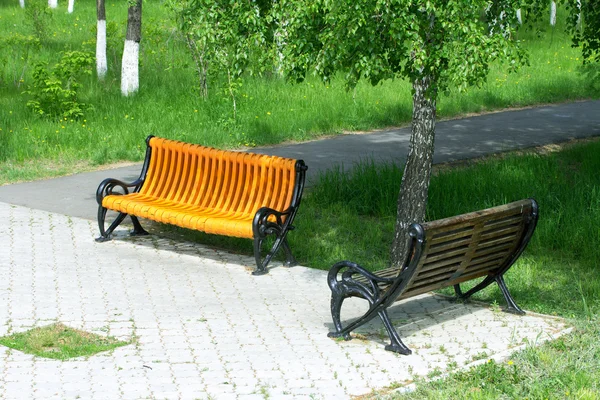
<point>105,234</point>
<point>137,227</point>
<point>396,344</point>
<point>512,307</point>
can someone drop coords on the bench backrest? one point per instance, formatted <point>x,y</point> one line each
<point>472,245</point>
<point>236,182</point>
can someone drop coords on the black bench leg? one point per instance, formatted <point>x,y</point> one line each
<point>137,227</point>
<point>280,241</point>
<point>290,260</point>
<point>499,279</point>
<point>480,286</point>
<point>458,291</point>
<point>336,308</point>
<point>105,234</point>
<point>396,344</point>
<point>512,306</point>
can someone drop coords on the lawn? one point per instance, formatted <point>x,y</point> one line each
<point>269,110</point>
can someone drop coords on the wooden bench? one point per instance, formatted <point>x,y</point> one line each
<point>442,253</point>
<point>215,191</point>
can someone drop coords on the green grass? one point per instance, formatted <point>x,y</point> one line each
<point>269,109</point>
<point>346,216</point>
<point>566,368</point>
<point>60,342</point>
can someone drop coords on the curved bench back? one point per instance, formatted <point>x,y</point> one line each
<point>235,182</point>
<point>468,246</point>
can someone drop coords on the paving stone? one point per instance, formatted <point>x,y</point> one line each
<point>205,327</point>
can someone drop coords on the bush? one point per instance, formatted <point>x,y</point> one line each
<point>55,90</point>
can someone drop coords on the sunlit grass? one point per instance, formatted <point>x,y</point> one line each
<point>269,109</point>
<point>60,342</point>
<point>566,368</point>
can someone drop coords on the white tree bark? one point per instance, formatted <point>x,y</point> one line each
<point>101,63</point>
<point>52,3</point>
<point>553,13</point>
<point>129,71</point>
<point>519,18</point>
<point>22,3</point>
<point>131,50</point>
<point>70,6</point>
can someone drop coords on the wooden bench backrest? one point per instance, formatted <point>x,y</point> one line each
<point>469,246</point>
<point>235,182</point>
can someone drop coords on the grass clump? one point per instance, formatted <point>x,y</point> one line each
<point>60,342</point>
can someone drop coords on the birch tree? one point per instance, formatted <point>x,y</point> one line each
<point>434,44</point>
<point>70,6</point>
<point>222,36</point>
<point>131,50</point>
<point>52,3</point>
<point>101,62</point>
<point>583,22</point>
<point>22,3</point>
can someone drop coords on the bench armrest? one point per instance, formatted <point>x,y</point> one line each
<point>262,226</point>
<point>352,269</point>
<point>108,185</point>
<point>365,286</point>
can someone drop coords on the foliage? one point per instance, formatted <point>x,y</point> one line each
<point>584,25</point>
<point>222,36</point>
<point>38,17</point>
<point>379,40</point>
<point>19,47</point>
<point>433,44</point>
<point>55,90</point>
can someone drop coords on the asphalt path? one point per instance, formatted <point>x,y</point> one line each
<point>457,139</point>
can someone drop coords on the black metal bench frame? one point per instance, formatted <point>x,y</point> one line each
<point>348,279</point>
<point>262,226</point>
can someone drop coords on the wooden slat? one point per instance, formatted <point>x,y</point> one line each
<point>450,253</point>
<point>452,233</point>
<point>437,264</point>
<point>450,244</point>
<point>511,230</point>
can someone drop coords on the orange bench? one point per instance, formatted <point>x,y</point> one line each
<point>215,191</point>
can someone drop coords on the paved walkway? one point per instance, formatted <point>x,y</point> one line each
<point>203,327</point>
<point>455,140</point>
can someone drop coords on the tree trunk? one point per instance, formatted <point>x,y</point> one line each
<point>553,13</point>
<point>22,3</point>
<point>201,67</point>
<point>412,200</point>
<point>101,63</point>
<point>70,6</point>
<point>52,3</point>
<point>131,50</point>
